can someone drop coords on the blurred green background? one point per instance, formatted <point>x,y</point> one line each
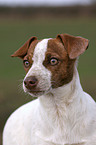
<point>15,30</point>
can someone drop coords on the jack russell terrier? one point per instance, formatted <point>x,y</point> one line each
<point>63,114</point>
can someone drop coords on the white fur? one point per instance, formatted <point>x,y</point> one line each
<point>63,116</point>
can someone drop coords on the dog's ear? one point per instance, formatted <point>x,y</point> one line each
<point>22,51</point>
<point>73,45</point>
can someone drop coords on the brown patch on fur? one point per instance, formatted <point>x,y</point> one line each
<point>29,54</point>
<point>26,51</point>
<point>75,46</point>
<point>65,48</point>
<point>21,52</point>
<point>62,73</point>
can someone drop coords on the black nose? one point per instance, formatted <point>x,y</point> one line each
<point>30,82</point>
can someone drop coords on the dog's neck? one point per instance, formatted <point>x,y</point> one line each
<point>62,96</point>
<point>60,108</point>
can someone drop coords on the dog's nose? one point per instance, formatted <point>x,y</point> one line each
<point>30,82</point>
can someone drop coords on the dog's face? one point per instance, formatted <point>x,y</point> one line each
<point>49,63</point>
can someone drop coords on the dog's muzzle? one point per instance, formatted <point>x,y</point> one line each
<point>31,85</point>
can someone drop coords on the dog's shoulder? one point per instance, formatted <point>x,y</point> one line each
<point>21,119</point>
<point>27,110</point>
<point>89,101</point>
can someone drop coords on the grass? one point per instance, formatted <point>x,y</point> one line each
<point>13,33</point>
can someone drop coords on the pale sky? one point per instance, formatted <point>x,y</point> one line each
<point>43,2</point>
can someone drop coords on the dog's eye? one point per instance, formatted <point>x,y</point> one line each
<point>53,61</point>
<point>26,63</point>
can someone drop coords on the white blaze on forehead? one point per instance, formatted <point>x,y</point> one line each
<point>40,50</point>
<point>37,69</point>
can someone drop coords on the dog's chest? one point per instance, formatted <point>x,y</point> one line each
<point>55,136</point>
<point>55,131</point>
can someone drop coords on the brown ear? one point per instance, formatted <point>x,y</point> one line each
<point>21,52</point>
<point>73,45</point>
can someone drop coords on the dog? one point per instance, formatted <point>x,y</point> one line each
<point>62,114</point>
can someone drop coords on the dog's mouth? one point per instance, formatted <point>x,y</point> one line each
<point>37,92</point>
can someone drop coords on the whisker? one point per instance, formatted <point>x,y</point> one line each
<point>20,80</point>
<point>21,91</point>
<point>23,75</point>
<point>20,88</point>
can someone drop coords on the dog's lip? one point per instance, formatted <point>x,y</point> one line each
<point>37,91</point>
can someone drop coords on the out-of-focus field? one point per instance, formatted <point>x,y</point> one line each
<point>14,32</point>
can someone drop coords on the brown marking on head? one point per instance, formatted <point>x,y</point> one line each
<point>75,46</point>
<point>65,49</point>
<point>21,52</point>
<point>62,72</point>
<point>26,52</point>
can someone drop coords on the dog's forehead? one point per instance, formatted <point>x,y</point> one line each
<point>39,49</point>
<point>56,47</point>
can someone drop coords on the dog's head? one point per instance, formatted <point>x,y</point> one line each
<point>49,63</point>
